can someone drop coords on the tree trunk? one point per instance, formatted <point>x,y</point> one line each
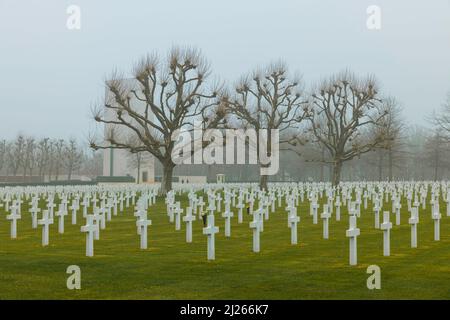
<point>166,181</point>
<point>138,168</point>
<point>380,165</point>
<point>390,164</point>
<point>337,172</point>
<point>436,171</point>
<point>436,164</point>
<point>322,165</point>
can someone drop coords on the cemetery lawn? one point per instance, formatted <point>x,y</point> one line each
<point>174,269</point>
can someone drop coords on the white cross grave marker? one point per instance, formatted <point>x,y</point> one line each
<point>256,226</point>
<point>34,216</point>
<point>45,222</point>
<point>74,208</point>
<point>178,211</point>
<point>294,219</point>
<point>143,224</point>
<point>188,218</point>
<point>437,217</point>
<point>61,214</point>
<point>228,214</point>
<point>413,221</point>
<point>386,226</point>
<point>353,232</point>
<point>325,217</point>
<point>398,206</point>
<point>210,231</point>
<point>14,216</point>
<point>91,229</point>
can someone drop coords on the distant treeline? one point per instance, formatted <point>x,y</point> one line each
<point>30,159</point>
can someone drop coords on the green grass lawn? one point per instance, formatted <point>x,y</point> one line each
<point>174,269</point>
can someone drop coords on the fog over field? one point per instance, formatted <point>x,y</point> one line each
<point>49,69</point>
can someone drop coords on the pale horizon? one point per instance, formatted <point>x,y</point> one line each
<point>51,75</point>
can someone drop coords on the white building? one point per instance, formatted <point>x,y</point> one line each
<point>120,162</point>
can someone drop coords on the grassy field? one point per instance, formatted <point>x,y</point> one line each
<point>174,269</point>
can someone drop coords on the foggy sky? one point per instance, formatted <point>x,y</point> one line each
<point>50,76</point>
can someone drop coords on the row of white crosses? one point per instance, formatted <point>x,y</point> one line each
<point>243,194</point>
<point>214,203</point>
<point>386,226</point>
<point>94,222</point>
<point>97,221</point>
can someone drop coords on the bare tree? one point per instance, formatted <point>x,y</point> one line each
<point>9,161</point>
<point>135,161</point>
<point>436,153</point>
<point>391,129</point>
<point>51,158</point>
<point>73,158</point>
<point>29,156</point>
<point>58,154</point>
<point>16,156</point>
<point>173,93</point>
<point>270,99</point>
<point>345,108</point>
<point>3,153</point>
<point>416,138</point>
<point>24,155</point>
<point>42,155</point>
<point>316,155</point>
<point>93,164</point>
<point>442,119</point>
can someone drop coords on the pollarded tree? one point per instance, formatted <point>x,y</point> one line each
<point>169,97</point>
<point>345,110</point>
<point>269,99</point>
